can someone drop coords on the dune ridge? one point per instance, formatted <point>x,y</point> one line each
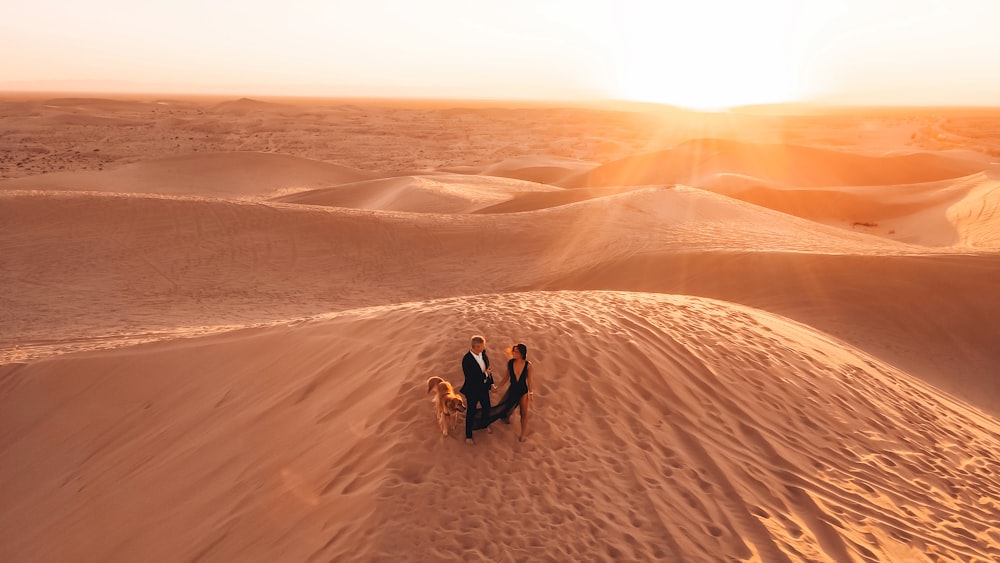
<point>533,201</point>
<point>667,427</point>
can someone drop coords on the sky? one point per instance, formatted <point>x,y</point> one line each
<point>705,54</point>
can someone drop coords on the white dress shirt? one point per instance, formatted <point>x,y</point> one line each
<point>479,360</point>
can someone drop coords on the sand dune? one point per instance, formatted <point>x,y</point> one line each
<point>693,161</point>
<point>545,169</point>
<point>244,106</point>
<point>94,104</point>
<point>433,193</point>
<point>778,345</point>
<point>113,264</point>
<point>85,120</point>
<point>977,216</point>
<point>667,427</point>
<point>933,316</point>
<point>233,174</point>
<point>124,268</point>
<point>956,212</point>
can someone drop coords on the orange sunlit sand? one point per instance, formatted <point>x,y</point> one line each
<point>756,336</point>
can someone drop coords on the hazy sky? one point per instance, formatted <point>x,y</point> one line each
<point>704,53</point>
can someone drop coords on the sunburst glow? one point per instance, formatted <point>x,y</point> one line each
<point>707,56</point>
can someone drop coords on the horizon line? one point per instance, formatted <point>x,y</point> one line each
<point>551,102</point>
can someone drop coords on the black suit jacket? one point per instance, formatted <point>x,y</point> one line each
<point>476,380</point>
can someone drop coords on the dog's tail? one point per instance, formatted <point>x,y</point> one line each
<point>433,382</point>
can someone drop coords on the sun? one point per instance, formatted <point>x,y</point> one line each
<point>705,56</point>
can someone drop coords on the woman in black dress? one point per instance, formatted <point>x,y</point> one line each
<point>520,394</point>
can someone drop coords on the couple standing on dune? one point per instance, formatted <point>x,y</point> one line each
<point>479,382</point>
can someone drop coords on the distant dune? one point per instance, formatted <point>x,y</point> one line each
<point>234,174</point>
<point>549,170</point>
<point>436,193</point>
<point>243,106</point>
<point>101,104</point>
<point>693,161</point>
<point>87,120</point>
<point>944,213</point>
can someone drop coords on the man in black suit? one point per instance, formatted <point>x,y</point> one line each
<point>478,381</point>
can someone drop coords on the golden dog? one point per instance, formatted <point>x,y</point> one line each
<point>447,403</point>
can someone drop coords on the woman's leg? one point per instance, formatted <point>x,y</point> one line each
<point>524,418</point>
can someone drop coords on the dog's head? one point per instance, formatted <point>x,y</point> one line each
<point>454,404</point>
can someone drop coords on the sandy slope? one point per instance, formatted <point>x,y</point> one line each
<point>976,215</point>
<point>667,427</point>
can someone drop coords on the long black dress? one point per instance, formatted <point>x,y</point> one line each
<point>518,388</point>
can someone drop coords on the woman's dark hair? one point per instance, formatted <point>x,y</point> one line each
<point>522,349</point>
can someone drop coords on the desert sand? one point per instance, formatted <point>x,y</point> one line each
<point>758,336</point>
